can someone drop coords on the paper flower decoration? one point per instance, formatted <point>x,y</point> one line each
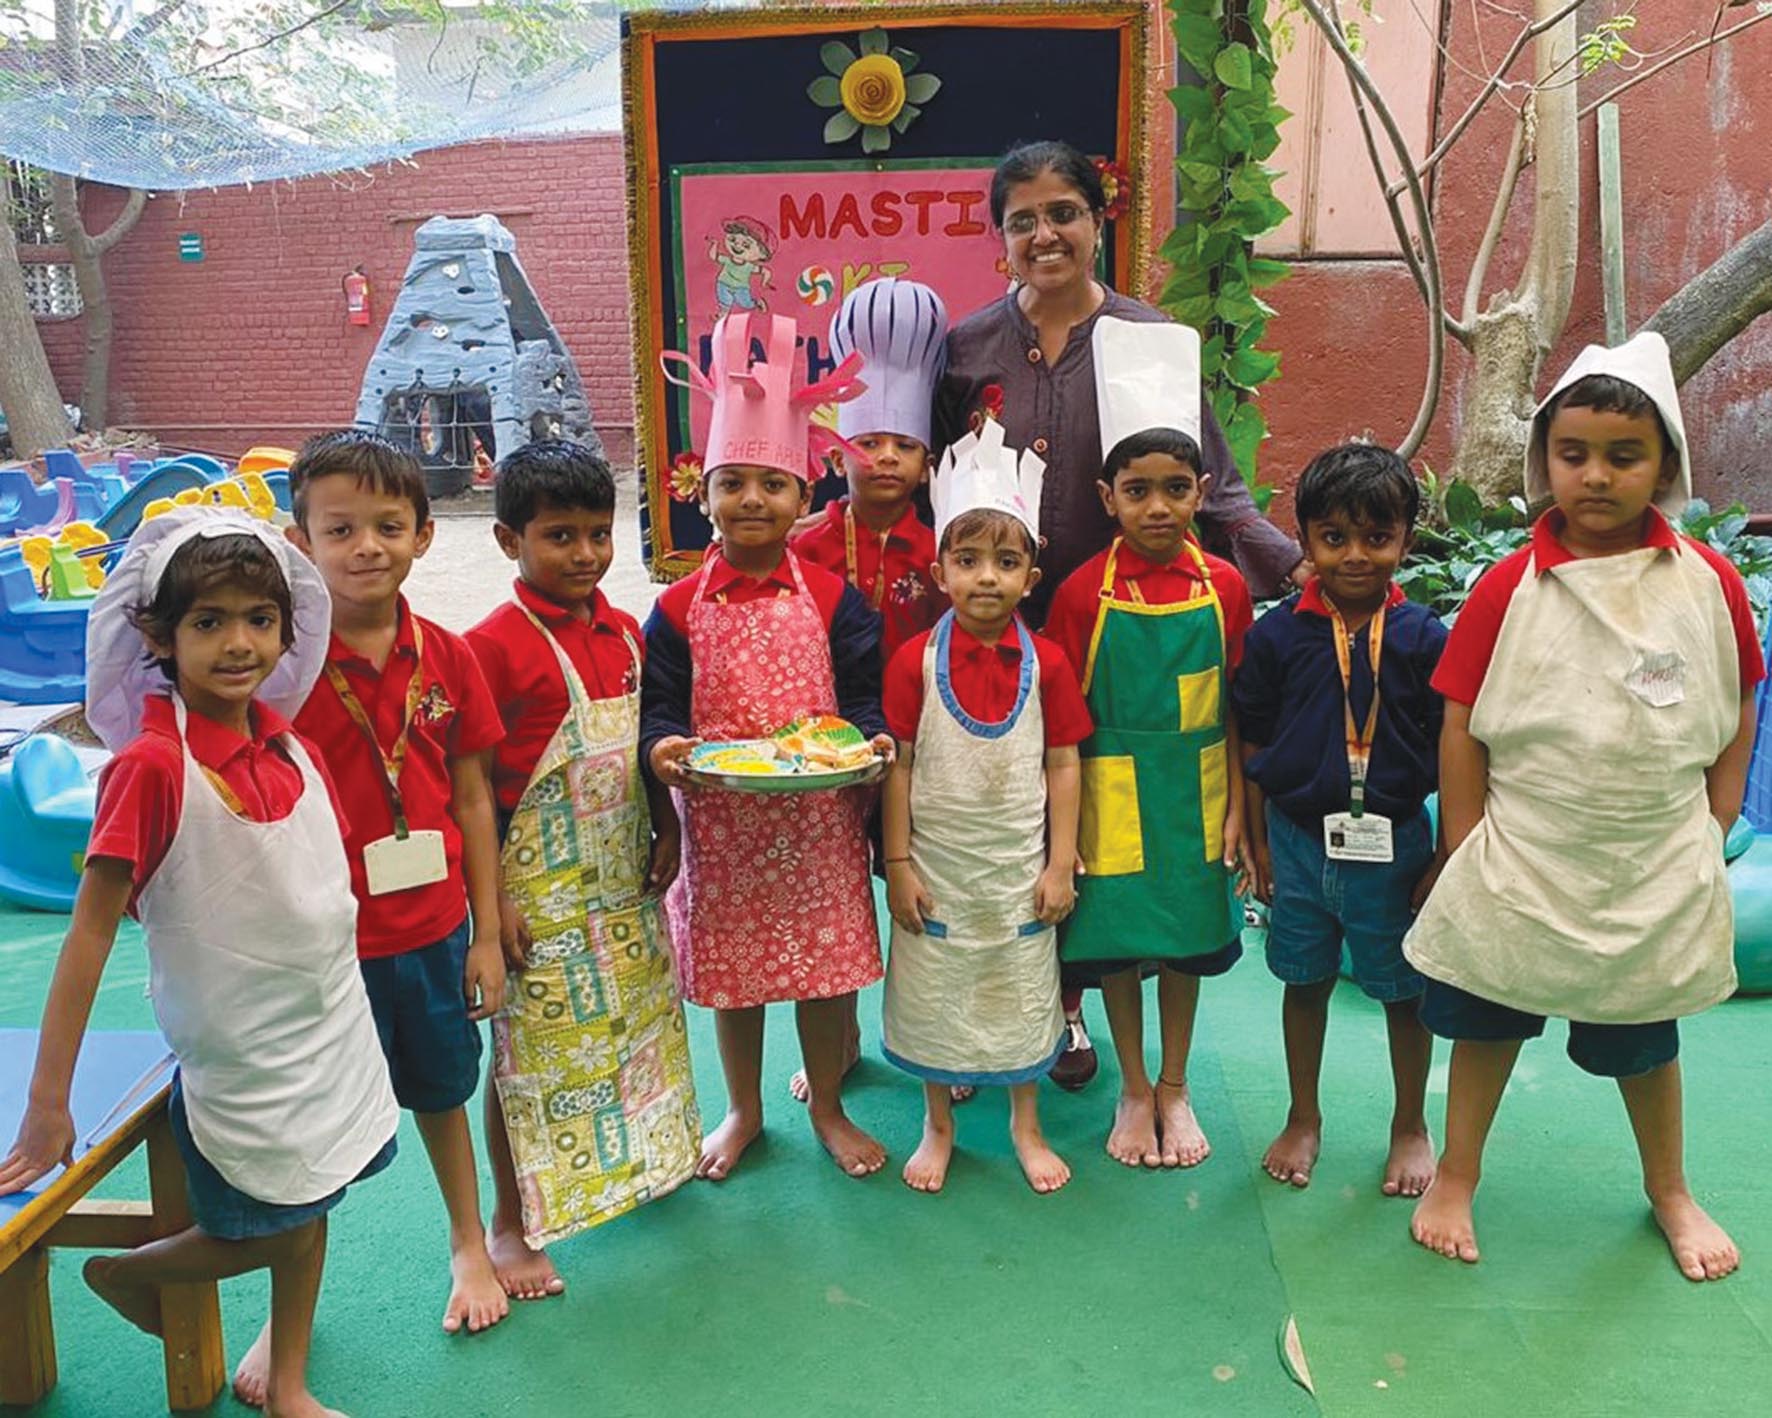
<point>875,92</point>
<point>1116,186</point>
<point>686,477</point>
<point>990,406</point>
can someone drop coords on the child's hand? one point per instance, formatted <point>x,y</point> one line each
<point>1238,858</point>
<point>886,747</point>
<point>1055,893</point>
<point>907,898</point>
<point>513,932</point>
<point>668,758</point>
<point>1261,870</point>
<point>667,856</point>
<point>45,1140</point>
<point>483,978</point>
<point>1418,896</point>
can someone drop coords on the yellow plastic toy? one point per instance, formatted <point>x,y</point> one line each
<point>57,566</point>
<point>264,459</point>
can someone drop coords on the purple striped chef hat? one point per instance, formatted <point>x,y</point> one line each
<point>899,328</point>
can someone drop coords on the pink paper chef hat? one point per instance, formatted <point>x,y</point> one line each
<point>900,330</point>
<point>758,416</point>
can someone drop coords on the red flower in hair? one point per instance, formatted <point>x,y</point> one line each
<point>1116,186</point>
<point>990,406</point>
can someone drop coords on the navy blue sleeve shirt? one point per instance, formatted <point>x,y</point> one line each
<point>1289,703</point>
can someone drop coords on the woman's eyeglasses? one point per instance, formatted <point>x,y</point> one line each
<point>1057,215</point>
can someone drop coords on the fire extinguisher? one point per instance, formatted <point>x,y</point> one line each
<point>356,287</point>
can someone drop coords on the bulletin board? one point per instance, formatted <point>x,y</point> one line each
<point>779,158</point>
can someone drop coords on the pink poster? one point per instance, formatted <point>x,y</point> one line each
<point>794,241</point>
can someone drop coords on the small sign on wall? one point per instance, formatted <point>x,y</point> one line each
<point>190,246</point>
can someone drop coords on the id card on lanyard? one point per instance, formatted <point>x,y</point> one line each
<point>407,858</point>
<point>1357,835</point>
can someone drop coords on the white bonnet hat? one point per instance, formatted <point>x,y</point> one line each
<point>119,671</point>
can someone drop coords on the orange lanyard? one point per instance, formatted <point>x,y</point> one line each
<point>878,598</point>
<point>1359,742</point>
<point>393,760</point>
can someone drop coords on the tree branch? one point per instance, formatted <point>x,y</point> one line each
<point>124,222</point>
<point>1717,304</point>
<point>277,38</point>
<point>145,27</point>
<point>1655,69</point>
<point>1504,196</point>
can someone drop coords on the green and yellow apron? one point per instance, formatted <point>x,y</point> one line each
<point>591,1057</point>
<point>1156,781</point>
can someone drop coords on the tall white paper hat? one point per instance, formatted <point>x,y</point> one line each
<point>978,473</point>
<point>1643,361</point>
<point>900,329</point>
<point>1147,375</point>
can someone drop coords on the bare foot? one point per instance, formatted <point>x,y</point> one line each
<point>1133,1139</point>
<point>139,1304</point>
<point>1292,1154</point>
<point>1184,1145</point>
<point>252,1378</point>
<point>1442,1220</point>
<point>928,1167</point>
<point>1045,1170</point>
<point>1410,1167</point>
<point>1702,1249</point>
<point>851,1149</point>
<point>721,1148</point>
<point>960,1092</point>
<point>300,1405</point>
<point>476,1299</point>
<point>800,1090</point>
<point>524,1272</point>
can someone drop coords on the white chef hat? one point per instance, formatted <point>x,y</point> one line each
<point>979,474</point>
<point>1147,375</point>
<point>120,674</point>
<point>1642,361</point>
<point>900,329</point>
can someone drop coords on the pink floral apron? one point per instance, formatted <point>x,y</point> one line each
<point>774,901</point>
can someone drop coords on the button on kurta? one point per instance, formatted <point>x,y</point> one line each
<point>1034,355</point>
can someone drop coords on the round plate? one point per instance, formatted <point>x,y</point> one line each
<point>787,782</point>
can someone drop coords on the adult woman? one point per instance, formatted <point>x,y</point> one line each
<point>1026,361</point>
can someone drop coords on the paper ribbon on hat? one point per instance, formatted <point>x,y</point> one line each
<point>978,473</point>
<point>120,673</point>
<point>1147,375</point>
<point>1643,361</point>
<point>899,328</point>
<point>758,417</point>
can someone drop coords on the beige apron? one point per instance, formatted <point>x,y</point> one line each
<point>591,1057</point>
<point>1593,889</point>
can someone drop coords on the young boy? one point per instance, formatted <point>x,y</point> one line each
<point>981,820</point>
<point>404,718</point>
<point>774,902</point>
<point>1599,721</point>
<point>874,538</point>
<point>586,838</point>
<point>1344,858</point>
<point>1155,628</point>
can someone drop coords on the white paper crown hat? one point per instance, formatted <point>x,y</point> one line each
<point>899,328</point>
<point>1643,361</point>
<point>1147,375</point>
<point>120,675</point>
<point>978,473</point>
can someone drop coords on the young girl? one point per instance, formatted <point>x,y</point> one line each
<point>217,830</point>
<point>1599,720</point>
<point>774,901</point>
<point>981,820</point>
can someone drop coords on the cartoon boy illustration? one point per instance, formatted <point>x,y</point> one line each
<point>742,252</point>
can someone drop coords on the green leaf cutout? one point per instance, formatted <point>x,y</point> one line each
<point>873,41</point>
<point>876,138</point>
<point>837,56</point>
<point>840,127</point>
<point>907,115</point>
<point>907,59</point>
<point>920,88</point>
<point>825,91</point>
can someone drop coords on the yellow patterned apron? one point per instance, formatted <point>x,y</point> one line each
<point>591,1057</point>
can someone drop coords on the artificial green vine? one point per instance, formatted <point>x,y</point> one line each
<point>1226,200</point>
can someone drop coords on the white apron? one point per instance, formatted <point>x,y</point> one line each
<point>975,998</point>
<point>1593,889</point>
<point>252,965</point>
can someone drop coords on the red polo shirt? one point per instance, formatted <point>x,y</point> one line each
<point>1071,620</point>
<point>1471,645</point>
<point>730,584</point>
<point>525,678</point>
<point>141,792</point>
<point>456,718</point>
<point>985,680</point>
<point>891,570</point>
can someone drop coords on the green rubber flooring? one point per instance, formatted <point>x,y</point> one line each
<point>792,1289</point>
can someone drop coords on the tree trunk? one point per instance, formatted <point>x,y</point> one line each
<point>1498,401</point>
<point>34,415</point>
<point>87,253</point>
<point>1717,304</point>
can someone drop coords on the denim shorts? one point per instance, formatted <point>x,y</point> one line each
<point>1604,1050</point>
<point>1318,904</point>
<point>222,1210</point>
<point>421,1015</point>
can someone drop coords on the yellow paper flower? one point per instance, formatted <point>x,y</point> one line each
<point>873,89</point>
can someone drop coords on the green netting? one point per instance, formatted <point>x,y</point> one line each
<point>170,94</point>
